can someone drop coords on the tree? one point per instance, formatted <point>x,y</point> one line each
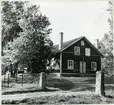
<point>11,12</point>
<point>107,45</point>
<point>33,46</point>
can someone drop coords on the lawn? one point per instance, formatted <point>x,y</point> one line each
<point>67,90</point>
<point>60,98</point>
<point>78,83</point>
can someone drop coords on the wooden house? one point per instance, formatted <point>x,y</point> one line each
<point>78,56</point>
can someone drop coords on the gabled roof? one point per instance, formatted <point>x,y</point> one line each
<point>71,42</point>
<point>65,45</point>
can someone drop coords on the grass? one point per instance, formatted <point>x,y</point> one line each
<point>74,84</point>
<point>70,84</point>
<point>64,99</point>
<point>28,91</point>
<point>78,83</point>
<point>29,81</point>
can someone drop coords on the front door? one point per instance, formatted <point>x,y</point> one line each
<point>82,67</point>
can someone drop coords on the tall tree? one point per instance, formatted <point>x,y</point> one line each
<point>11,12</point>
<point>107,44</point>
<point>33,46</point>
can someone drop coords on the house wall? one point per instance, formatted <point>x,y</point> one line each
<point>68,54</point>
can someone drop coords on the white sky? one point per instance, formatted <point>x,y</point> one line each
<point>75,19</point>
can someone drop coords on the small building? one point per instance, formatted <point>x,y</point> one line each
<point>78,56</point>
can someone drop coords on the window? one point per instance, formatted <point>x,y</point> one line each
<point>82,43</point>
<point>76,50</point>
<point>87,51</point>
<point>70,64</point>
<point>93,66</point>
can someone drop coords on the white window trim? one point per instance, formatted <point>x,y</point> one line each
<point>86,54</point>
<point>95,64</point>
<point>70,67</point>
<point>82,42</point>
<point>74,50</point>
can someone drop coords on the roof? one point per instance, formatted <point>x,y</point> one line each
<point>71,42</point>
<point>65,44</point>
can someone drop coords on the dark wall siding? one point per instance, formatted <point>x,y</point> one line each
<point>77,60</point>
<point>68,54</point>
<point>82,48</point>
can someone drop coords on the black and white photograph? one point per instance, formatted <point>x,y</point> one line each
<point>57,52</point>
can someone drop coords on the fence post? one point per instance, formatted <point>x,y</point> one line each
<point>42,80</point>
<point>100,83</point>
<point>22,78</point>
<point>8,80</point>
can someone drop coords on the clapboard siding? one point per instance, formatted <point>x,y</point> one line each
<point>68,54</point>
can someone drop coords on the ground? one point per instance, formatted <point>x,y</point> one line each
<point>67,90</point>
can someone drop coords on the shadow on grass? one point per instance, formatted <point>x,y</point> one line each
<point>109,96</point>
<point>28,91</point>
<point>109,87</point>
<point>83,87</point>
<point>62,84</point>
<point>65,84</point>
<point>90,81</point>
<point>86,87</point>
<point>109,80</point>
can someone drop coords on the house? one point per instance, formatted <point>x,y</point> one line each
<point>78,56</point>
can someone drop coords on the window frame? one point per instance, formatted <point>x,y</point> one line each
<point>95,65</point>
<point>86,52</point>
<point>70,64</point>
<point>82,43</point>
<point>76,47</point>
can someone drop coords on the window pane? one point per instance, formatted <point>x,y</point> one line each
<point>76,50</point>
<point>94,66</point>
<point>82,43</point>
<point>87,51</point>
<point>69,63</point>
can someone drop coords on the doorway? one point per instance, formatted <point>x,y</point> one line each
<point>82,67</point>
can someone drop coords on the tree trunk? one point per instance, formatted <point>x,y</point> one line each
<point>11,70</point>
<point>14,69</point>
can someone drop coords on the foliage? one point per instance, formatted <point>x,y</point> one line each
<point>33,46</point>
<point>10,14</point>
<point>107,45</point>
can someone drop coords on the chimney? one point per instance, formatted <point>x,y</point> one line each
<point>97,43</point>
<point>61,41</point>
<point>60,48</point>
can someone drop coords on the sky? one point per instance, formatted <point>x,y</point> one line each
<point>76,19</point>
